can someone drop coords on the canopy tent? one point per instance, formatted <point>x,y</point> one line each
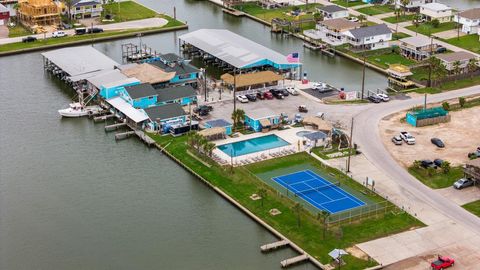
<point>314,136</point>
<point>317,123</point>
<point>128,110</point>
<point>337,253</point>
<point>265,123</point>
<point>214,133</point>
<point>147,73</point>
<point>249,79</point>
<point>236,50</point>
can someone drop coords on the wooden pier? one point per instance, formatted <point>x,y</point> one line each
<point>102,118</point>
<point>124,135</point>
<point>294,260</point>
<point>234,12</point>
<point>274,245</point>
<point>145,138</point>
<point>115,127</point>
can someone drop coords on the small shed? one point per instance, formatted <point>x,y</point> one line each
<point>252,80</point>
<point>215,133</point>
<point>425,117</point>
<point>472,170</point>
<point>219,123</point>
<point>316,138</point>
<point>262,119</point>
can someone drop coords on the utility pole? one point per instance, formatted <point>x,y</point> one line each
<point>205,81</point>
<point>430,60</point>
<point>425,102</point>
<point>350,146</point>
<point>363,73</point>
<point>234,88</point>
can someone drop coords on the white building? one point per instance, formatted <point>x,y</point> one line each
<point>413,4</point>
<point>436,11</point>
<point>333,12</point>
<point>370,37</point>
<point>469,19</point>
<point>449,59</point>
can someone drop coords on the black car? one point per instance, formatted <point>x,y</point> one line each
<point>206,108</point>
<point>426,163</point>
<point>284,92</point>
<point>438,142</point>
<point>277,94</point>
<point>260,95</point>
<point>374,99</point>
<point>29,39</point>
<point>251,97</point>
<point>94,30</point>
<point>438,162</point>
<point>203,112</point>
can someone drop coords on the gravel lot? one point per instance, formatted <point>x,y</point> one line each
<point>460,137</point>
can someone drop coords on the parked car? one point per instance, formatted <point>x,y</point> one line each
<point>463,183</point>
<point>58,34</point>
<point>292,90</point>
<point>80,31</point>
<point>260,95</point>
<point>242,98</point>
<point>427,163</point>
<point>352,19</point>
<point>442,262</point>
<point>302,108</point>
<point>438,142</point>
<point>94,30</point>
<point>374,99</point>
<point>397,140</point>
<point>284,92</point>
<point>268,95</point>
<point>29,39</point>
<point>320,115</point>
<point>207,108</point>
<point>251,97</point>
<point>438,162</point>
<point>383,97</point>
<point>407,137</point>
<point>277,94</point>
<point>298,118</point>
<point>441,50</point>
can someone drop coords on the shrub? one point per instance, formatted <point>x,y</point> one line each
<point>417,164</point>
<point>445,167</point>
<point>430,171</point>
<point>435,23</point>
<point>446,106</point>
<point>461,100</point>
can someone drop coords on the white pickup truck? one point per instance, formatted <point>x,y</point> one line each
<point>407,137</point>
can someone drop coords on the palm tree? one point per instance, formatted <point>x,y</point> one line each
<point>238,116</point>
<point>323,216</point>
<point>263,194</point>
<point>472,66</point>
<point>404,5</point>
<point>318,17</point>
<point>438,71</point>
<point>69,3</point>
<point>456,68</point>
<point>362,18</point>
<point>208,148</point>
<point>297,208</point>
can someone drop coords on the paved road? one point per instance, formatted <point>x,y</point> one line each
<point>367,135</point>
<point>145,23</point>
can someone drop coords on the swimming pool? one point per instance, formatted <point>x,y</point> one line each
<point>253,145</point>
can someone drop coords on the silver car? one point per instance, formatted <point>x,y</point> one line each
<point>397,140</point>
<point>463,183</point>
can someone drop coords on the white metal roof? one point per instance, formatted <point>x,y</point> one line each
<point>80,60</point>
<point>107,77</point>
<point>234,49</point>
<point>436,6</point>
<point>261,113</point>
<point>121,82</point>
<point>136,115</point>
<point>417,41</point>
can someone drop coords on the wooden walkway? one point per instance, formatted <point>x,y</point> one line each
<point>294,260</point>
<point>274,245</point>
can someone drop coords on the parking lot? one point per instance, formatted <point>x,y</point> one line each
<point>460,137</point>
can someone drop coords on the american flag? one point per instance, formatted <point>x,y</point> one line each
<point>293,58</point>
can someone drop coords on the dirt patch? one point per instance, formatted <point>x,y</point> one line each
<point>460,136</point>
<point>356,252</point>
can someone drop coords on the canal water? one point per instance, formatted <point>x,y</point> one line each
<point>73,198</point>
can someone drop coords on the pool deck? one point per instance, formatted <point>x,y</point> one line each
<point>289,135</point>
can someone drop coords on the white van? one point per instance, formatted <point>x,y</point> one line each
<point>57,34</point>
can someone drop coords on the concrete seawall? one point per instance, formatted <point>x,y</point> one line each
<point>243,209</point>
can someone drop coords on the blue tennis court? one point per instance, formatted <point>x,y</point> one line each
<point>319,192</point>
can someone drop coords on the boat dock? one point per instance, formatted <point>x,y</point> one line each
<point>115,127</point>
<point>274,245</point>
<point>294,260</point>
<point>234,12</point>
<point>102,118</point>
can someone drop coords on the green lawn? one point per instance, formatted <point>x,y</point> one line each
<point>269,14</point>
<point>321,152</point>
<point>386,59</point>
<point>346,3</point>
<point>376,9</point>
<point>427,28</point>
<point>469,42</point>
<point>240,183</point>
<point>473,207</point>
<point>399,35</point>
<point>74,38</point>
<point>18,31</point>
<point>401,18</point>
<point>128,11</point>
<point>438,179</point>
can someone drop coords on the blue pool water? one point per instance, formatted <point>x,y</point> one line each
<point>252,145</point>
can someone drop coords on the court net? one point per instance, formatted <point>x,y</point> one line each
<point>315,189</point>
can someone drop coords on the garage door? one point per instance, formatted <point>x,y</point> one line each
<point>2,22</point>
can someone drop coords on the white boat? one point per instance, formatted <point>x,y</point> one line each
<point>77,110</point>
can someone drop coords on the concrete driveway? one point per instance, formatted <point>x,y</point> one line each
<point>3,31</point>
<point>449,34</point>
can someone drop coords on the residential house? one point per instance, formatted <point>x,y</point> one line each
<point>82,9</point>
<point>184,72</point>
<point>4,15</point>
<point>470,20</point>
<point>113,89</point>
<point>122,109</point>
<point>33,13</point>
<point>140,96</point>
<point>220,123</point>
<point>162,118</point>
<point>333,12</point>
<point>370,37</point>
<point>333,31</point>
<point>181,94</point>
<point>413,5</point>
<point>436,11</point>
<point>462,58</point>
<point>262,119</point>
<point>417,47</point>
